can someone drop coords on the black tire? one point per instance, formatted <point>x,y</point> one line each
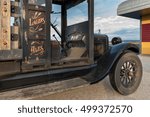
<point>126,74</point>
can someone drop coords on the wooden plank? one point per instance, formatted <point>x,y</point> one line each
<point>5,29</point>
<point>0,24</point>
<point>15,9</point>
<point>15,54</point>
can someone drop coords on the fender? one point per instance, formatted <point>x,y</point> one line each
<point>106,62</point>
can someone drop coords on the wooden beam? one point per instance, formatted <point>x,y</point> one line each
<point>5,39</point>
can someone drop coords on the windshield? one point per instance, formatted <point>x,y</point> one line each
<point>78,13</point>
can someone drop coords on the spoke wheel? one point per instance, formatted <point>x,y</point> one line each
<point>126,75</point>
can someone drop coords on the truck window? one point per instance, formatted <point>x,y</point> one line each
<point>78,13</point>
<point>56,20</point>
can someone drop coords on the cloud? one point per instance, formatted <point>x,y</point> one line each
<point>128,29</point>
<point>126,34</point>
<point>113,24</point>
<point>106,8</point>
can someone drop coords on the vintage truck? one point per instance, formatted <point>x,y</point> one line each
<point>30,54</point>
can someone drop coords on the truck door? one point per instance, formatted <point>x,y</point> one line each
<point>36,41</point>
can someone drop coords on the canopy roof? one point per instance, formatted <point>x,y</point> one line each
<point>134,8</point>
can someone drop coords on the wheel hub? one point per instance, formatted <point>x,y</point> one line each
<point>128,72</point>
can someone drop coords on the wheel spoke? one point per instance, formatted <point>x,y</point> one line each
<point>124,65</point>
<point>128,64</point>
<point>131,67</point>
<point>127,73</point>
<point>122,72</point>
<point>130,79</point>
<point>122,78</point>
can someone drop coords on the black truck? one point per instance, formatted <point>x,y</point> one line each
<point>33,50</point>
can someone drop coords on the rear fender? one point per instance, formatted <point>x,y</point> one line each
<point>106,62</point>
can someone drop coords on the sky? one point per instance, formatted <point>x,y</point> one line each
<point>108,22</point>
<point>106,19</point>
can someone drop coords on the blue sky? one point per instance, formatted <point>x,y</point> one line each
<point>106,7</point>
<point>106,19</point>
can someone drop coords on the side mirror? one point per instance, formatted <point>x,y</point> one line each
<point>116,40</point>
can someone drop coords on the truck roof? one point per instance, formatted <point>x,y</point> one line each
<point>65,1</point>
<point>69,3</point>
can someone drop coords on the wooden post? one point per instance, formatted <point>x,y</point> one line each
<point>5,15</point>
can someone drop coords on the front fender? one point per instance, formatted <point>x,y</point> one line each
<point>106,62</point>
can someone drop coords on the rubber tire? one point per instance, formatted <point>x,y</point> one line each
<point>115,74</point>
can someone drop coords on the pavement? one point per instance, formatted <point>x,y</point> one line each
<point>78,89</point>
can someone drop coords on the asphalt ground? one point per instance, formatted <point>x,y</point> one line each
<point>78,89</point>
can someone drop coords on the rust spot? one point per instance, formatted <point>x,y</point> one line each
<point>5,9</point>
<point>5,43</point>
<point>5,3</point>
<point>5,31</point>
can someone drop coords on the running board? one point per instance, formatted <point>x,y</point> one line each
<point>42,77</point>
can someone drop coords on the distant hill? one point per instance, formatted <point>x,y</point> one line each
<point>132,41</point>
<point>136,42</point>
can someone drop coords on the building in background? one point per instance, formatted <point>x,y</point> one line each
<point>139,9</point>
